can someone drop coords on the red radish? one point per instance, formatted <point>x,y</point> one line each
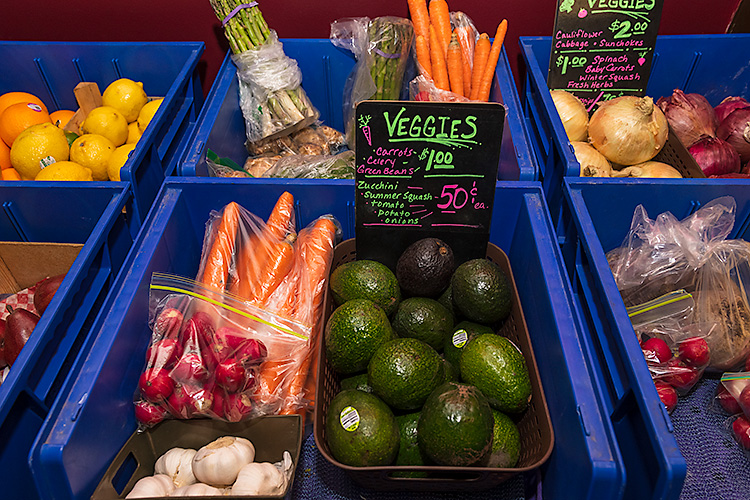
<point>230,374</point>
<point>205,325</point>
<point>155,384</point>
<point>741,429</point>
<point>201,401</point>
<point>667,394</point>
<point>747,364</point>
<point>227,341</point>
<point>163,353</point>
<point>681,376</point>
<point>218,404</point>
<point>148,413</point>
<point>168,323</point>
<point>251,377</point>
<point>727,401</point>
<point>3,363</point>
<point>252,352</point>
<point>744,400</point>
<point>190,368</point>
<point>694,352</point>
<point>180,403</point>
<point>238,406</point>
<point>659,347</point>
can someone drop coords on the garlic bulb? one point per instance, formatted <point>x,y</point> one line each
<point>198,490</point>
<point>264,478</point>
<point>177,463</point>
<point>159,485</point>
<point>219,462</point>
<point>575,118</point>
<point>593,163</point>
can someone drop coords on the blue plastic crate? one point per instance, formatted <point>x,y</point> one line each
<point>72,453</point>
<point>713,65</point>
<point>90,215</point>
<point>597,214</point>
<point>51,70</point>
<point>325,69</point>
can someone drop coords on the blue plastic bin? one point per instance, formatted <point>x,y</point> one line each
<point>597,215</point>
<point>90,215</point>
<point>51,70</point>
<point>325,69</point>
<point>713,65</point>
<point>72,453</point>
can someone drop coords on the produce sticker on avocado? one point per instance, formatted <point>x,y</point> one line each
<point>425,169</point>
<point>460,337</point>
<point>349,418</point>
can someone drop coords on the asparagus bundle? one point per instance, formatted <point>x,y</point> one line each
<point>390,41</point>
<point>280,111</point>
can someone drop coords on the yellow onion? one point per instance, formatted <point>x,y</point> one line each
<point>628,129</point>
<point>650,169</point>
<point>573,114</point>
<point>593,163</point>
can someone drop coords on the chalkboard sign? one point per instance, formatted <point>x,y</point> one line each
<point>602,49</point>
<point>425,169</point>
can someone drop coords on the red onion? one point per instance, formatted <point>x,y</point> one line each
<point>728,105</point>
<point>715,156</point>
<point>689,115</point>
<point>731,176</point>
<point>735,129</point>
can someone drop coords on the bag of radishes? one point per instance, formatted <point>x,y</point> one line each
<point>206,352</point>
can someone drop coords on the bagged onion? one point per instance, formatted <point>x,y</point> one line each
<point>593,163</point>
<point>650,169</point>
<point>628,129</point>
<point>573,114</point>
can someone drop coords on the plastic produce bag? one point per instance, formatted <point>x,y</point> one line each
<point>340,166</point>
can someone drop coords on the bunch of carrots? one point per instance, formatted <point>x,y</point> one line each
<point>454,59</point>
<point>284,273</point>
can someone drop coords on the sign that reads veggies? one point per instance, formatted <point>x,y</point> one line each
<point>602,49</point>
<point>425,169</point>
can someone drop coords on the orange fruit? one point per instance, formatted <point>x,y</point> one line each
<point>18,117</point>
<point>15,97</point>
<point>10,174</point>
<point>61,117</point>
<point>4,156</point>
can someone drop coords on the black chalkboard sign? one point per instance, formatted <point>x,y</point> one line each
<point>425,169</point>
<point>602,49</point>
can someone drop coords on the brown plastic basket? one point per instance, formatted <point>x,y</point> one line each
<point>271,436</point>
<point>675,154</point>
<point>535,425</point>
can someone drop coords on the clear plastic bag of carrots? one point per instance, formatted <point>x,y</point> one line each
<point>239,341</point>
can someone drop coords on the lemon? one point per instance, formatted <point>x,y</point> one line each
<point>65,171</point>
<point>117,160</point>
<point>147,113</point>
<point>134,133</point>
<point>126,96</point>
<point>37,146</point>
<point>93,151</point>
<point>106,121</point>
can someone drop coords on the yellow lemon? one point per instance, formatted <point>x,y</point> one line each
<point>65,171</point>
<point>37,146</point>
<point>106,121</point>
<point>147,113</point>
<point>134,133</point>
<point>93,151</point>
<point>117,160</point>
<point>126,96</point>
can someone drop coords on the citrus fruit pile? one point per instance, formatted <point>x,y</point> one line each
<point>34,144</point>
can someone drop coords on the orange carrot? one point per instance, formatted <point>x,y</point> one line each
<point>277,265</point>
<point>279,223</point>
<point>219,258</point>
<point>481,52</point>
<point>489,71</point>
<point>466,40</point>
<point>439,68</point>
<point>454,62</point>
<point>420,18</point>
<point>440,18</point>
<point>423,54</point>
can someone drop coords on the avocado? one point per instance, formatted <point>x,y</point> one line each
<point>404,371</point>
<point>450,372</point>
<point>506,442</point>
<point>366,279</point>
<point>425,267</point>
<point>357,382</point>
<point>353,332</point>
<point>497,367</point>
<point>408,450</point>
<point>446,299</point>
<point>361,430</point>
<point>455,426</point>
<point>462,334</point>
<point>424,319</point>
<point>482,291</point>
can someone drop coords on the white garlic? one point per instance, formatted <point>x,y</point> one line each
<point>198,490</point>
<point>264,478</point>
<point>177,463</point>
<point>159,485</point>
<point>219,462</point>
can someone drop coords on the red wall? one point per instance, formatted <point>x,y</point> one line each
<point>190,20</point>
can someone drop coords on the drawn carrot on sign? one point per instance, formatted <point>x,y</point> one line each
<point>363,124</point>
